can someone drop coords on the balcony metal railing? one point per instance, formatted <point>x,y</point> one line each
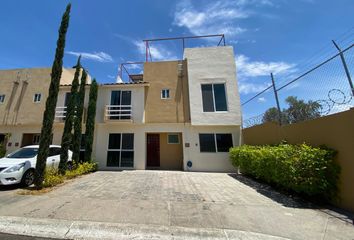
<point>118,112</point>
<point>60,114</point>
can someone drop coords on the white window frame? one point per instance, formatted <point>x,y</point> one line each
<point>35,97</point>
<point>2,98</point>
<point>165,90</point>
<point>213,94</point>
<point>178,138</point>
<point>120,150</point>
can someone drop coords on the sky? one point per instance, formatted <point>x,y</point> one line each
<point>280,36</point>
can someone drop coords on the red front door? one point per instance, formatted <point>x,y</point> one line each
<point>153,150</point>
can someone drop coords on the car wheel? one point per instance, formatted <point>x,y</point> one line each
<point>28,178</point>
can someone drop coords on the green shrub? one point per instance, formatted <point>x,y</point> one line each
<point>81,169</point>
<point>301,168</point>
<point>52,178</point>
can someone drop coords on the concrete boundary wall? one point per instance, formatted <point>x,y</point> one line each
<point>335,131</point>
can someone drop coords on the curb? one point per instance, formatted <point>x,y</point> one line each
<point>65,229</point>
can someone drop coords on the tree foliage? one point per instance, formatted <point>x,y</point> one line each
<point>49,113</point>
<point>90,122</point>
<point>78,118</point>
<point>297,111</point>
<point>69,118</point>
<point>271,115</point>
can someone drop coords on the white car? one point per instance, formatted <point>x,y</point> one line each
<point>19,166</point>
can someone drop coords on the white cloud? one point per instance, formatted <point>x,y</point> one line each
<point>111,76</point>
<point>157,52</point>
<point>247,87</point>
<point>95,56</point>
<point>133,66</point>
<point>217,17</point>
<point>213,19</point>
<point>246,68</point>
<point>262,99</point>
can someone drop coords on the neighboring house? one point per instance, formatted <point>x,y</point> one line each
<point>23,96</point>
<point>173,113</point>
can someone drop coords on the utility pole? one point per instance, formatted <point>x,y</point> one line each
<point>345,67</point>
<point>276,98</point>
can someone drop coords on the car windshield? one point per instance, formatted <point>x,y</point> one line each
<point>24,153</point>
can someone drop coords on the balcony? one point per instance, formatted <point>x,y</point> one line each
<point>118,113</point>
<point>60,114</point>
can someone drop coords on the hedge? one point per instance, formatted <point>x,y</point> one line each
<point>301,168</point>
<point>52,177</point>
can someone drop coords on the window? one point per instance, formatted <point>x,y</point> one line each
<point>210,142</point>
<point>67,99</point>
<point>207,142</point>
<point>173,139</point>
<point>2,98</point>
<point>35,138</point>
<point>165,93</point>
<point>120,150</point>
<point>120,105</point>
<point>214,97</point>
<point>37,97</point>
<point>54,151</point>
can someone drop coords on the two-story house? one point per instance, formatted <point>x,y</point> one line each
<point>23,94</point>
<point>176,115</point>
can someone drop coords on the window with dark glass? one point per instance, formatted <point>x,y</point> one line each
<point>165,93</point>
<point>207,142</point>
<point>207,96</point>
<point>2,98</point>
<point>210,142</point>
<point>223,142</point>
<point>54,151</point>
<point>120,150</point>
<point>120,107</point>
<point>214,97</point>
<point>173,139</point>
<point>37,97</point>
<point>67,99</point>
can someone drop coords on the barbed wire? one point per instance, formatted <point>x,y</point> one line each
<point>336,99</point>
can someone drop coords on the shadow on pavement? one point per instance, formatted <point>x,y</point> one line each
<point>9,187</point>
<point>293,201</point>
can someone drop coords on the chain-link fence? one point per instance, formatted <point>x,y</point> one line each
<point>326,88</point>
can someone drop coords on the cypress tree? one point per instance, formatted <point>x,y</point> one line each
<point>90,122</point>
<point>78,117</point>
<point>69,117</point>
<point>49,113</point>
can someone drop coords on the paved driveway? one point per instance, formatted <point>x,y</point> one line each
<point>180,199</point>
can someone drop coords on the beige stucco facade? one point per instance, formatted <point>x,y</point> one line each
<point>166,75</point>
<point>146,112</point>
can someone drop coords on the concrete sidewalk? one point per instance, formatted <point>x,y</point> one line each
<point>64,229</point>
<point>154,203</point>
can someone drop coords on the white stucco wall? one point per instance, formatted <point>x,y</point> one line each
<point>190,134</point>
<point>104,98</point>
<point>208,161</point>
<point>212,65</point>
